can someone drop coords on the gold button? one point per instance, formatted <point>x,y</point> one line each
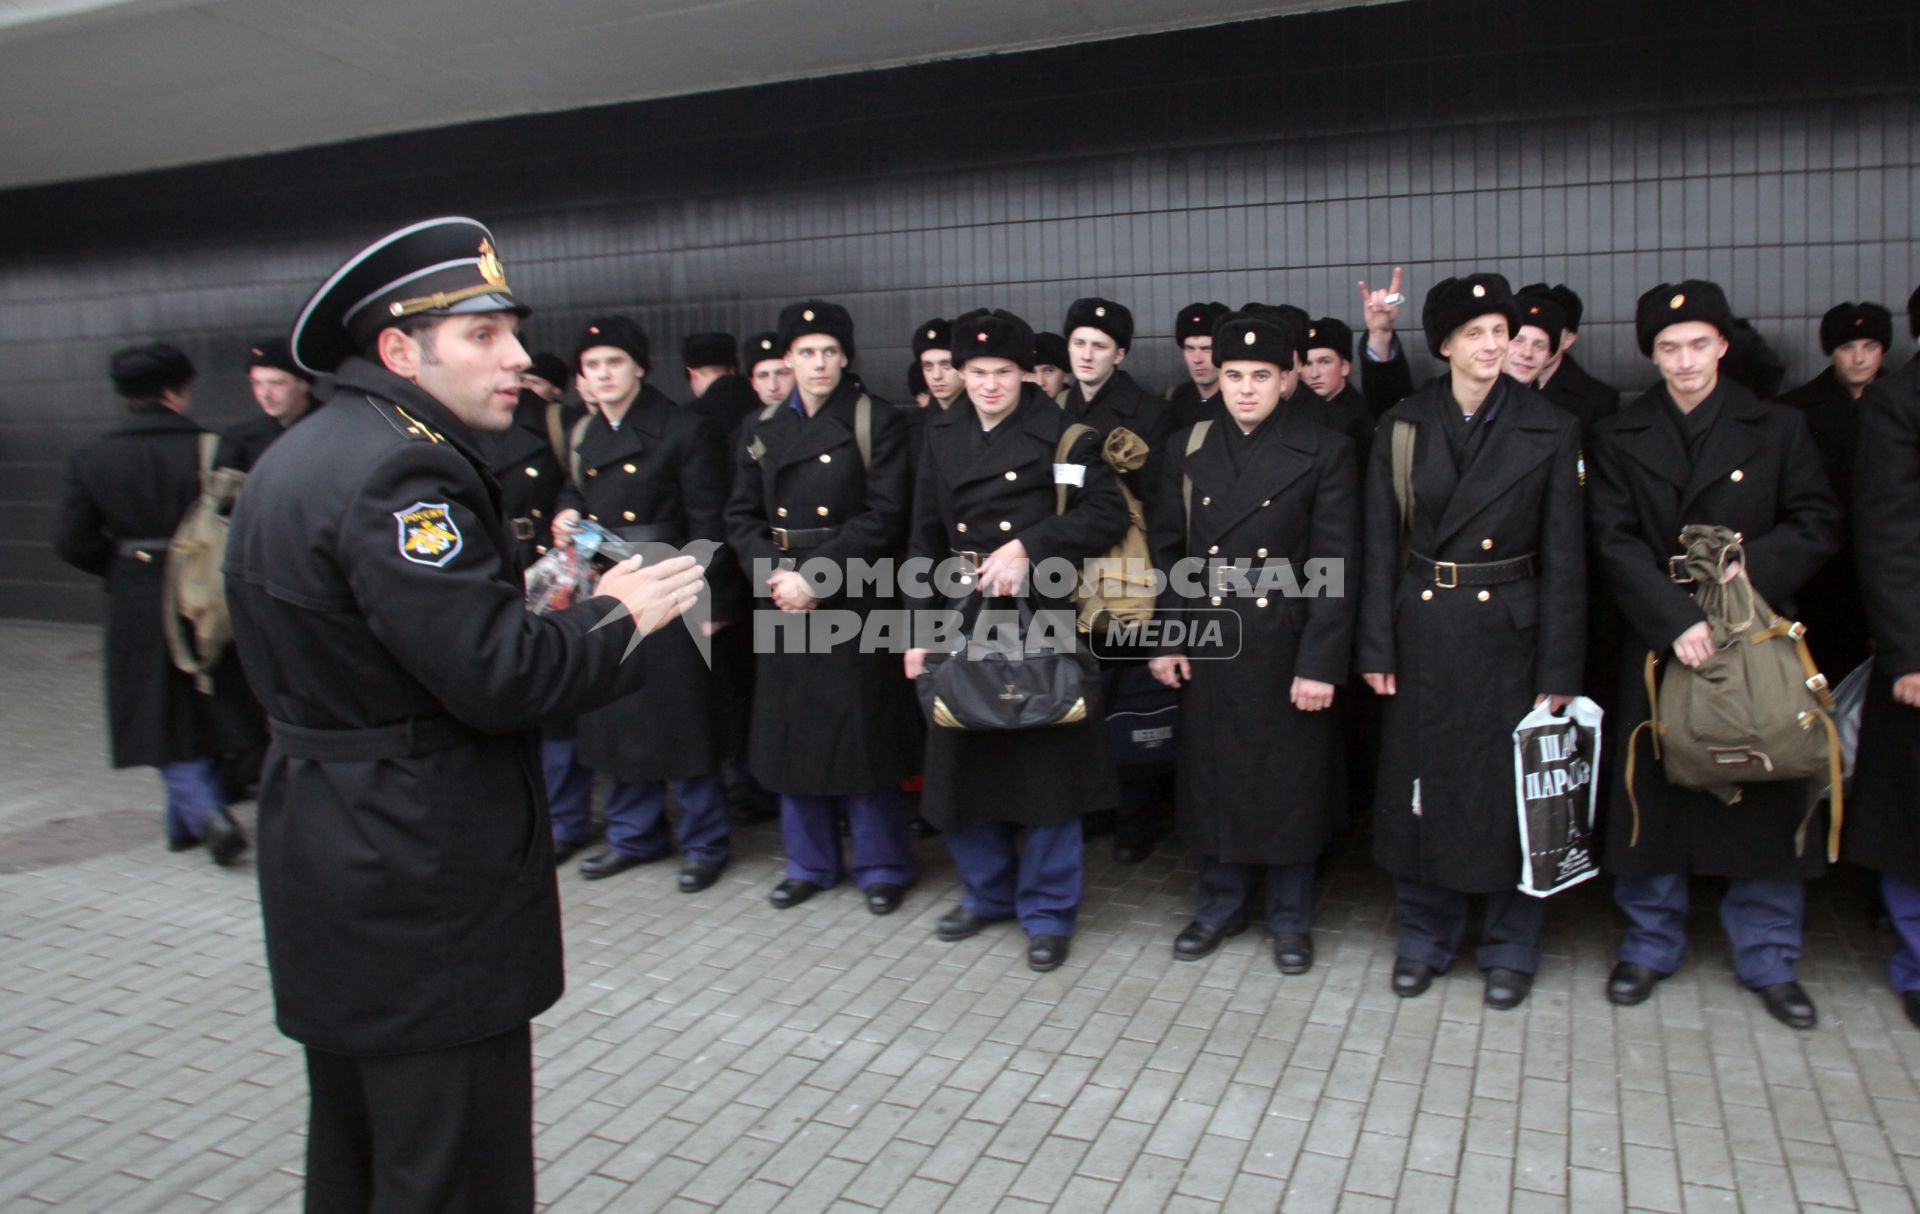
<point>593,472</point>
<point>536,514</point>
<point>1262,554</point>
<point>627,514</point>
<point>1206,501</point>
<point>143,556</point>
<point>1738,475</point>
<point>825,458</point>
<point>1216,600</point>
<point>1013,476</point>
<point>1267,503</point>
<point>1486,543</point>
<point>1426,594</point>
<point>1005,525</point>
<point>1214,551</point>
<point>630,469</point>
<point>822,511</point>
<point>594,517</point>
<point>1485,595</point>
<point>960,527</point>
<point>533,471</point>
<point>966,579</point>
<point>413,429</point>
<point>540,548</point>
<point>1259,602</point>
<point>782,512</point>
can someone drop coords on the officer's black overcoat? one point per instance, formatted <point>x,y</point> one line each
<point>1469,662</point>
<point>1259,781</point>
<point>407,887</point>
<point>1759,474</point>
<point>134,483</point>
<point>974,499</point>
<point>839,721</point>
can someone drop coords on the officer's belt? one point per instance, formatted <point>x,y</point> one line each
<point>1240,577</point>
<point>415,736</point>
<point>134,548</point>
<point>1448,575</point>
<point>651,533</point>
<point>796,539</point>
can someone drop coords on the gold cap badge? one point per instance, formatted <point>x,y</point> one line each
<point>807,315</point>
<point>1479,292</point>
<point>1676,301</point>
<point>490,268</point>
<point>1250,338</point>
<point>1100,311</point>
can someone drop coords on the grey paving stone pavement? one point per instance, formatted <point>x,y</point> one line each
<point>714,1053</point>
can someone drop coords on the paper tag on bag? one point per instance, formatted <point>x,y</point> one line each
<point>1070,474</point>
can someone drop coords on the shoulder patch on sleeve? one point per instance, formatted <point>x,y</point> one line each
<point>427,533</point>
<point>1580,466</point>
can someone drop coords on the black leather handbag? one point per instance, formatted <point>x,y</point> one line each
<point>994,684</point>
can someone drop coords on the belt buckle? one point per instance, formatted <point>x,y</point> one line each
<point>1220,575</point>
<point>780,538</point>
<point>523,528</point>
<point>971,557</point>
<point>1452,571</point>
<point>1677,570</point>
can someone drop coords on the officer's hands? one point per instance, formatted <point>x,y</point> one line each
<point>654,594</point>
<point>1694,647</point>
<point>1906,689</point>
<point>790,591</point>
<point>1555,704</point>
<point>566,525</point>
<point>1172,669</point>
<point>1311,695</point>
<point>1005,569</point>
<point>1381,315</point>
<point>916,663</point>
<point>1382,684</point>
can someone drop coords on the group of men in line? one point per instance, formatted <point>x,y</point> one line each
<point>407,859</point>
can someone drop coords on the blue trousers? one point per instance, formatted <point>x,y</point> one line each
<point>1433,921</point>
<point>637,818</point>
<point>1040,883</point>
<point>569,790</point>
<point>1226,892</point>
<point>1762,918</point>
<point>194,795</point>
<point>882,844</point>
<point>1903,907</point>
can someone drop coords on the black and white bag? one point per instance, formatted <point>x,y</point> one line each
<point>1556,763</point>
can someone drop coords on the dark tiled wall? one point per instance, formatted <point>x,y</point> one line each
<point>1771,146</point>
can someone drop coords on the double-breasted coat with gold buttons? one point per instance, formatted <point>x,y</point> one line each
<point>974,499</point>
<point>1258,781</point>
<point>837,721</point>
<point>1469,660</point>
<point>531,477</point>
<point>659,477</point>
<point>1760,474</point>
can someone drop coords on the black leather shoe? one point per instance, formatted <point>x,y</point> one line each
<point>883,898</point>
<point>959,923</point>
<point>1912,1001</point>
<point>1132,853</point>
<point>1293,953</point>
<point>1507,989</point>
<point>696,875</point>
<point>792,892</point>
<point>1411,978</point>
<point>1789,1004</point>
<point>565,850</point>
<point>1047,953</point>
<point>920,828</point>
<point>182,842</point>
<point>610,862</point>
<point>1197,940</point>
<point>1631,983</point>
<point>224,839</point>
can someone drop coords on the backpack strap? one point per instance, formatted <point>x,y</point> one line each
<point>1068,438</point>
<point>574,440</point>
<point>863,430</point>
<point>557,432</point>
<point>1404,432</point>
<point>209,451</point>
<point>1195,438</point>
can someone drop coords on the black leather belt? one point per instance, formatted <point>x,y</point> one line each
<point>795,539</point>
<point>416,736</point>
<point>651,533</point>
<point>1448,575</point>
